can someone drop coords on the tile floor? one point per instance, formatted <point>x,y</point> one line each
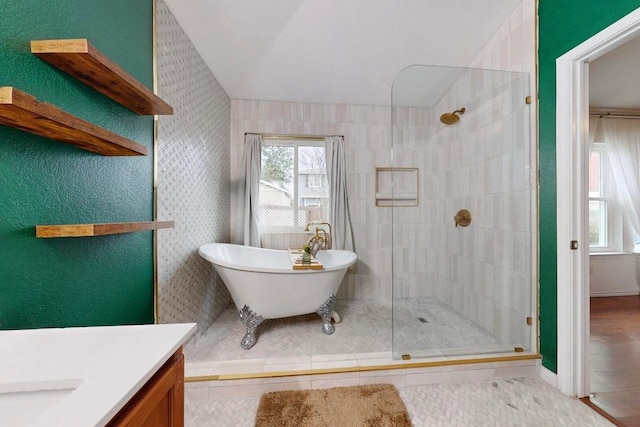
<point>424,327</point>
<point>453,394</point>
<point>496,402</point>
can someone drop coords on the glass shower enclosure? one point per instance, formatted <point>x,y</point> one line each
<point>462,193</point>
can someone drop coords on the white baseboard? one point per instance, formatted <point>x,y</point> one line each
<point>548,376</point>
<point>613,294</point>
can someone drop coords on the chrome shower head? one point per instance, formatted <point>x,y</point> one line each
<point>451,118</point>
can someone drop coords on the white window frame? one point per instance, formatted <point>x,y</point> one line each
<point>295,143</point>
<point>614,228</point>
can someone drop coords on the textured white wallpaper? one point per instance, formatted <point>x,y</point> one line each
<point>193,178</point>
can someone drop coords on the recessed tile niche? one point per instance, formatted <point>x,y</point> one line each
<point>397,187</point>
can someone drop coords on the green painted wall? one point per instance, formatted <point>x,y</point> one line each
<point>75,281</point>
<point>563,24</point>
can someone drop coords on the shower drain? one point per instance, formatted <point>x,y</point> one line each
<point>423,320</point>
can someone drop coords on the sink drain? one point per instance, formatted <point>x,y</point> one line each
<point>423,320</point>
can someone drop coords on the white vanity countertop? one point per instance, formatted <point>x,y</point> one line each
<point>79,376</point>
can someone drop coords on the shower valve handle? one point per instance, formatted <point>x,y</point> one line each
<point>462,218</point>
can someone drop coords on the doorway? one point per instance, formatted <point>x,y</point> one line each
<point>572,114</point>
<point>614,345</point>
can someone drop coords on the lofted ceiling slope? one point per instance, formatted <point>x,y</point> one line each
<point>332,51</point>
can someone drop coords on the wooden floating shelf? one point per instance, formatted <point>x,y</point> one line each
<point>22,111</point>
<point>78,58</point>
<point>90,230</point>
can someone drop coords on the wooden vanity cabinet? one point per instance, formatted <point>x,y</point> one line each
<point>160,402</point>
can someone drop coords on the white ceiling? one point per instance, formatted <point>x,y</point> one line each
<point>332,51</point>
<point>614,78</point>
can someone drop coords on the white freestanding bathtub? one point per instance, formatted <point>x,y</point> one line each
<point>263,284</point>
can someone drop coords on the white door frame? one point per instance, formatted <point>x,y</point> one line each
<point>572,133</point>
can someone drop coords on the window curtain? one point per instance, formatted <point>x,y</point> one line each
<point>339,216</point>
<point>622,137</point>
<point>247,228</point>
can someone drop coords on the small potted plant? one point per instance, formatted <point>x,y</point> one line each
<point>306,254</point>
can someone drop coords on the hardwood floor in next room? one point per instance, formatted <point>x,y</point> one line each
<point>615,357</point>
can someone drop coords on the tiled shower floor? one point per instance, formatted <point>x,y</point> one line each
<point>424,327</point>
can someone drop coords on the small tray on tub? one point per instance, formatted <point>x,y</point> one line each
<point>295,255</point>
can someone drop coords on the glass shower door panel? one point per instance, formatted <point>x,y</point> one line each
<point>462,257</point>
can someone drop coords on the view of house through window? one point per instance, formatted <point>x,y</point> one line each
<point>293,185</point>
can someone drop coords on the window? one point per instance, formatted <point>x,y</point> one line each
<point>605,231</point>
<point>312,201</point>
<point>597,202</point>
<point>314,180</point>
<point>293,184</point>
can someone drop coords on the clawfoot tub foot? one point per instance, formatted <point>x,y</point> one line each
<point>250,319</point>
<point>326,311</point>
